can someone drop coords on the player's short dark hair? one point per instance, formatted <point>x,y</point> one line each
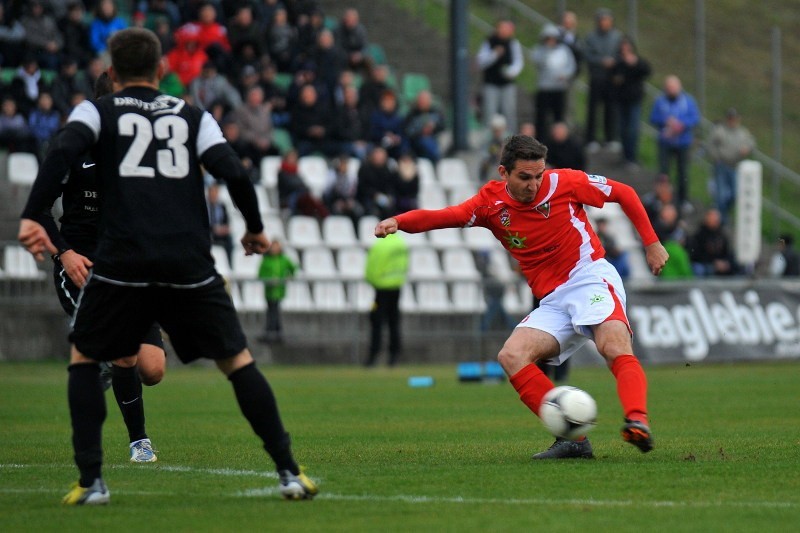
<point>135,54</point>
<point>103,85</point>
<point>521,147</point>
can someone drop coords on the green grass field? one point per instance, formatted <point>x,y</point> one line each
<point>454,457</point>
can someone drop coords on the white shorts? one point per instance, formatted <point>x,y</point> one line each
<point>591,296</point>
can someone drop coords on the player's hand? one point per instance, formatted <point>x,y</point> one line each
<point>255,243</point>
<point>76,266</point>
<point>33,237</point>
<point>386,227</point>
<point>656,256</point>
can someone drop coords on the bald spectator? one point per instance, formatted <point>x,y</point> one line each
<point>351,36</point>
<point>423,123</point>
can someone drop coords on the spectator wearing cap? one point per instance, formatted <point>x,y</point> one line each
<point>599,49</point>
<point>555,67</point>
<point>675,115</point>
<point>501,60</point>
<point>351,36</point>
<point>211,87</point>
<point>76,35</point>
<point>105,23</point>
<point>42,35</point>
<point>728,145</point>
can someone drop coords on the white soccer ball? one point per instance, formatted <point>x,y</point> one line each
<point>568,412</point>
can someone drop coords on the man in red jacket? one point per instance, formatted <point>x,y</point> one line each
<point>539,217</point>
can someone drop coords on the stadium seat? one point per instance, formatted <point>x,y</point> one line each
<point>432,196</point>
<point>423,264</point>
<point>376,53</point>
<point>478,238</point>
<point>413,84</point>
<point>283,80</point>
<point>329,296</point>
<point>221,261</point>
<point>264,203</point>
<point>253,299</point>
<point>314,171</point>
<point>245,267</point>
<point>459,264</point>
<point>525,297</point>
<point>468,297</point>
<point>236,296</point>
<point>415,240</point>
<point>446,238</point>
<point>270,165</point>
<point>282,140</point>
<point>298,297</point>
<point>366,230</point>
<point>303,232</point>
<point>460,194</point>
<point>432,297</point>
<point>361,295</point>
<point>427,172</point>
<point>453,173</point>
<point>22,168</point>
<point>512,303</point>
<point>338,232</point>
<point>500,265</point>
<point>318,264</point>
<point>352,263</point>
<point>408,302</point>
<point>19,264</point>
<point>354,165</point>
<point>273,227</point>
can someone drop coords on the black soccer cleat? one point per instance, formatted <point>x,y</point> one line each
<point>638,434</point>
<point>567,449</point>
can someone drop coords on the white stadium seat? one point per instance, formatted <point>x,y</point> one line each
<point>461,194</point>
<point>408,302</point>
<point>453,173</point>
<point>22,168</point>
<point>446,238</point>
<point>20,264</point>
<point>512,303</point>
<point>432,197</point>
<point>468,297</point>
<point>314,171</point>
<point>415,240</point>
<point>361,295</point>
<point>352,263</point>
<point>273,228</point>
<point>423,264</point>
<point>427,173</point>
<point>298,297</point>
<point>432,297</point>
<point>303,232</point>
<point>253,299</point>
<point>245,266</point>
<point>270,165</point>
<point>366,230</point>
<point>459,265</point>
<point>221,262</point>
<point>338,232</point>
<point>478,238</point>
<point>329,296</point>
<point>318,264</point>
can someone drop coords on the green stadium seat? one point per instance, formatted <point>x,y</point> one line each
<point>7,74</point>
<point>413,84</point>
<point>283,80</point>
<point>376,52</point>
<point>282,140</point>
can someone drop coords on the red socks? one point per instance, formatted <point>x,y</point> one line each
<point>532,385</point>
<point>631,387</point>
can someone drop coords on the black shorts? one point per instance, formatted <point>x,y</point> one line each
<point>201,322</point>
<point>68,294</point>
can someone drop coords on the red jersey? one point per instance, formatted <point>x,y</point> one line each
<point>550,237</point>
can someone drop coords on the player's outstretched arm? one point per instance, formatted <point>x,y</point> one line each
<point>33,237</point>
<point>386,227</point>
<point>656,256</point>
<point>76,266</point>
<point>255,243</point>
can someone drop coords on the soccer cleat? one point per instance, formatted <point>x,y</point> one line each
<point>567,449</point>
<point>97,494</point>
<point>638,434</point>
<point>296,487</point>
<point>142,452</point>
<point>105,375</point>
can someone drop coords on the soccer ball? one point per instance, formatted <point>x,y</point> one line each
<point>568,412</point>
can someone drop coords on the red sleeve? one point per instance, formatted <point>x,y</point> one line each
<point>627,198</point>
<point>420,220</point>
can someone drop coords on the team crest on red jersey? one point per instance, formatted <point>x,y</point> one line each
<point>505,218</point>
<point>544,209</point>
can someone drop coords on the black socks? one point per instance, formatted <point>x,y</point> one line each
<point>128,391</point>
<point>87,407</point>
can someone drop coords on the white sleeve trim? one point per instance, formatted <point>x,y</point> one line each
<point>209,134</point>
<point>86,113</point>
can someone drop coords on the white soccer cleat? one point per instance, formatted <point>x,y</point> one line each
<point>296,487</point>
<point>97,494</point>
<point>142,452</point>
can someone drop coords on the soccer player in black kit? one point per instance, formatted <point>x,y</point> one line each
<point>76,242</point>
<point>153,261</point>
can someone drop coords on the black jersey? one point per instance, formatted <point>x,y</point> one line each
<point>148,148</point>
<point>81,206</point>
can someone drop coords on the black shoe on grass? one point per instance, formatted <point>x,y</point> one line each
<point>567,449</point>
<point>638,434</point>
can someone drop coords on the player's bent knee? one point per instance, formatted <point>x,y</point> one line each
<point>232,364</point>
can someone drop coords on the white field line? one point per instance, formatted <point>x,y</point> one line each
<point>401,498</point>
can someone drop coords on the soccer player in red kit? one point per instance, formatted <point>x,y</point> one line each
<point>539,217</point>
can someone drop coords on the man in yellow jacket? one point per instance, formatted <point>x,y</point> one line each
<point>387,265</point>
